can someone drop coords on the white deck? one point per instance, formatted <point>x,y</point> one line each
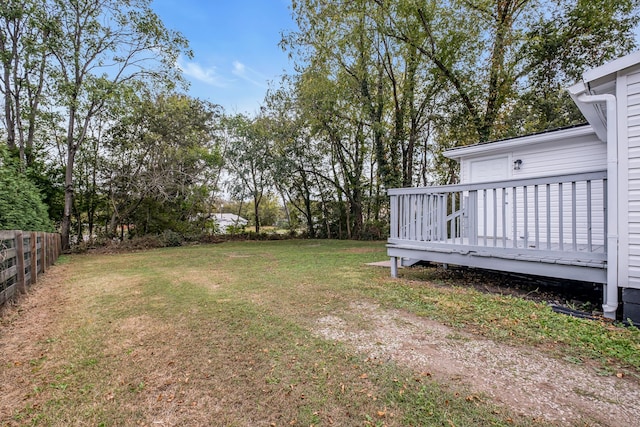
<point>559,224</point>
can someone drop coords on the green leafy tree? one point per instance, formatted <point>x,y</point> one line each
<point>161,163</point>
<point>423,76</point>
<point>488,50</point>
<point>100,45</point>
<point>21,205</point>
<point>294,156</point>
<point>577,36</point>
<point>248,157</point>
<point>26,32</point>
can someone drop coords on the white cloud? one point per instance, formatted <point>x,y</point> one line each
<point>249,74</point>
<point>238,68</point>
<point>196,71</point>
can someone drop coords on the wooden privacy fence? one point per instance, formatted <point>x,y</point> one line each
<point>25,255</point>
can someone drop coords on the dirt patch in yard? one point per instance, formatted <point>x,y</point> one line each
<point>523,379</point>
<point>27,331</point>
<point>363,250</point>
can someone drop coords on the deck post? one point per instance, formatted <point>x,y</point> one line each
<point>394,267</point>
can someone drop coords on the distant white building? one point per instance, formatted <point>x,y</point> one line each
<point>226,220</point>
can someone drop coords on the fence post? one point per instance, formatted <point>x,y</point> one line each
<point>34,257</point>
<point>43,251</point>
<point>21,286</point>
<point>49,250</point>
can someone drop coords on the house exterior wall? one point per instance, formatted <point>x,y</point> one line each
<point>628,96</point>
<point>573,155</point>
<point>584,153</point>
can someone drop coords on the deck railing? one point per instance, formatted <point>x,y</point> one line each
<point>564,213</point>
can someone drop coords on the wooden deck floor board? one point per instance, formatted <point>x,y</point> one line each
<point>581,264</point>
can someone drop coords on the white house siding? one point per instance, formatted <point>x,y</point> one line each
<point>632,135</point>
<point>572,155</point>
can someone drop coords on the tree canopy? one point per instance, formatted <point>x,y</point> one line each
<point>95,120</point>
<point>21,205</point>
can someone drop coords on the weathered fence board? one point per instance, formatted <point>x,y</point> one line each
<point>23,256</point>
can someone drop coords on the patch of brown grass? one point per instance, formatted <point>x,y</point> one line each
<point>361,250</point>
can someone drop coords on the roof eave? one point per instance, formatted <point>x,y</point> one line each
<point>458,153</point>
<point>590,111</point>
<point>611,68</point>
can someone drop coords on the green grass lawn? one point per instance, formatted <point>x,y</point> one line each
<point>223,335</point>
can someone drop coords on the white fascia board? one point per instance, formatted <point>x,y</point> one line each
<point>592,112</point>
<point>577,89</point>
<point>612,67</point>
<point>508,144</point>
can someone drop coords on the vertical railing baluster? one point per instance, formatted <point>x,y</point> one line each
<point>536,201</point>
<point>560,216</point>
<point>393,201</point>
<point>589,218</point>
<point>443,218</point>
<point>548,216</point>
<point>574,218</point>
<point>452,224</point>
<point>525,218</point>
<point>436,213</point>
<point>432,219</point>
<point>459,218</point>
<point>424,218</point>
<point>504,217</point>
<point>495,218</point>
<point>515,217</point>
<point>400,215</point>
<point>473,217</point>
<point>419,217</point>
<point>412,217</point>
<point>484,215</point>
<point>407,217</point>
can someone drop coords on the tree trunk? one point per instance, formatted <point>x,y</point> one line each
<point>8,111</point>
<point>256,205</point>
<point>68,198</point>
<point>311,231</point>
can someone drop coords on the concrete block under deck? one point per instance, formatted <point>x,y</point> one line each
<point>631,305</point>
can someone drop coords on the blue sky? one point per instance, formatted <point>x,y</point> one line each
<point>235,46</point>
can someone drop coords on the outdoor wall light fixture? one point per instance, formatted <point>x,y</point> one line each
<point>517,165</point>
